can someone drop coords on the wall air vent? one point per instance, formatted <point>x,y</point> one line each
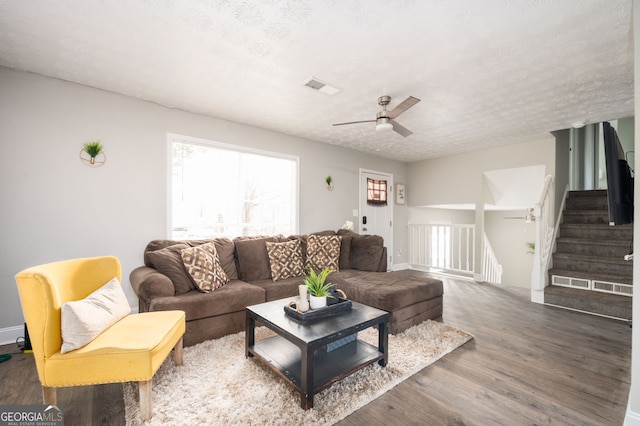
<point>321,86</point>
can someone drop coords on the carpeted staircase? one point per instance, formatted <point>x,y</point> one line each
<point>588,265</point>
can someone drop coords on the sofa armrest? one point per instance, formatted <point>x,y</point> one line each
<point>148,284</point>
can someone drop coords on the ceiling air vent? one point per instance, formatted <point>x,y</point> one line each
<point>321,86</point>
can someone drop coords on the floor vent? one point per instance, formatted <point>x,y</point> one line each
<point>615,288</point>
<point>593,285</point>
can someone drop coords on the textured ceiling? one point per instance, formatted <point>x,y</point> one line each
<point>488,72</point>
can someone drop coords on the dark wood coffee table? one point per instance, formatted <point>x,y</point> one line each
<point>298,351</point>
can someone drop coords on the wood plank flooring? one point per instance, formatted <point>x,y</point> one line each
<point>528,364</point>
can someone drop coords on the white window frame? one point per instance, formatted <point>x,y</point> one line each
<point>174,137</point>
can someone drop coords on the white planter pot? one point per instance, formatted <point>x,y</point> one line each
<point>317,302</point>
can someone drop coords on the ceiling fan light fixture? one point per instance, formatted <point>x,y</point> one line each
<point>384,124</point>
<point>530,217</point>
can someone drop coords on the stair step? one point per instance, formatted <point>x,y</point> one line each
<point>596,231</point>
<point>593,247</point>
<point>586,216</point>
<point>610,278</point>
<point>588,193</point>
<point>593,264</point>
<point>586,203</point>
<point>611,305</point>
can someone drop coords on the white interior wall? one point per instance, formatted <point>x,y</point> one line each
<point>55,207</point>
<point>458,179</point>
<point>509,238</point>
<point>426,215</point>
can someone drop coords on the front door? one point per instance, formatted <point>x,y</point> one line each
<point>376,215</point>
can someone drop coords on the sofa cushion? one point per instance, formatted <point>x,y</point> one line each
<point>168,261</point>
<point>234,296</point>
<point>203,266</point>
<point>285,259</point>
<point>285,288</point>
<point>366,252</point>
<point>345,251</point>
<point>323,251</point>
<point>252,257</point>
<point>224,247</point>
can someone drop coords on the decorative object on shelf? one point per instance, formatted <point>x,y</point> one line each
<point>329,181</point>
<point>312,315</point>
<point>336,295</point>
<point>400,193</point>
<point>317,288</point>
<point>348,225</point>
<point>92,154</point>
<point>303,305</point>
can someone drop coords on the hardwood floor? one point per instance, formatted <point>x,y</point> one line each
<point>528,364</point>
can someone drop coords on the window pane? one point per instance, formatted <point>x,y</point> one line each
<point>219,191</point>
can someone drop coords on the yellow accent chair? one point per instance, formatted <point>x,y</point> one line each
<point>130,350</point>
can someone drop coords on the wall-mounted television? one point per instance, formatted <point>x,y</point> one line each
<point>619,178</point>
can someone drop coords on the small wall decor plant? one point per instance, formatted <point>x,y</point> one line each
<point>329,181</point>
<point>532,248</point>
<point>92,148</point>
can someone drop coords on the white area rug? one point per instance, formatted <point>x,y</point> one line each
<point>217,385</point>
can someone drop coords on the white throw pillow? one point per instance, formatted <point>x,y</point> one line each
<point>84,320</point>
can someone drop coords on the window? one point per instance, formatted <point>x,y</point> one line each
<point>225,190</point>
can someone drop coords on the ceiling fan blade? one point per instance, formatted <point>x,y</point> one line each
<point>354,122</point>
<point>403,106</point>
<point>398,128</point>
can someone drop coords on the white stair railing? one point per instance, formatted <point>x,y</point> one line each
<point>545,236</point>
<point>491,268</point>
<point>450,248</point>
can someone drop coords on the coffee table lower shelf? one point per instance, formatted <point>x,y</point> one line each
<point>284,358</point>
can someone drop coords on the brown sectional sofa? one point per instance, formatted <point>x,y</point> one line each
<point>163,284</point>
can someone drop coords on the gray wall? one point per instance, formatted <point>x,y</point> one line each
<point>458,179</point>
<point>55,207</point>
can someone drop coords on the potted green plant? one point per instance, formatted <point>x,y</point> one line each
<point>318,289</point>
<point>92,148</point>
<point>329,181</point>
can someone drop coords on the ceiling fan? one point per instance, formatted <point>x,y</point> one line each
<point>528,218</point>
<point>385,120</point>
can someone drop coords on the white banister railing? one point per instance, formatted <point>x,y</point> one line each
<point>545,226</point>
<point>450,248</point>
<point>491,268</point>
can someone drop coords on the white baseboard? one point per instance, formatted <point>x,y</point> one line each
<point>400,266</point>
<point>632,419</point>
<point>10,334</point>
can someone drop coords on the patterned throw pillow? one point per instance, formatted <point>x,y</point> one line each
<point>285,259</point>
<point>204,268</point>
<point>323,251</point>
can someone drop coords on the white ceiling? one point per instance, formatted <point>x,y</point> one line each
<point>488,72</point>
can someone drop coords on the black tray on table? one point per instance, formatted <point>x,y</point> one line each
<point>340,307</point>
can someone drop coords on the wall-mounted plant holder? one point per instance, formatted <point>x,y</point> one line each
<point>92,154</point>
<point>329,182</point>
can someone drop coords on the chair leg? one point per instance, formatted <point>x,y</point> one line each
<point>49,396</point>
<point>145,399</point>
<point>177,353</point>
